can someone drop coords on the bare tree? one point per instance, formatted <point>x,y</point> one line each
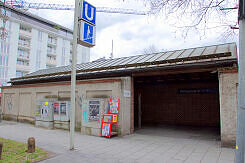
<point>150,50</point>
<point>197,15</point>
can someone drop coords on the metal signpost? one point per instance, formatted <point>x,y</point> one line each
<point>86,22</point>
<point>240,136</point>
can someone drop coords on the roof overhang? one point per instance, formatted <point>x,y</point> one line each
<point>180,68</point>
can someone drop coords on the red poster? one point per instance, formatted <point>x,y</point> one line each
<point>56,107</point>
<point>114,106</point>
<point>107,118</point>
<point>106,129</point>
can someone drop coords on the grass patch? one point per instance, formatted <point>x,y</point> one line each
<point>14,151</point>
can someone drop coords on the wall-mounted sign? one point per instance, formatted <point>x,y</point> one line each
<point>127,93</point>
<point>198,91</point>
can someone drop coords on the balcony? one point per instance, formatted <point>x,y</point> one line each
<point>51,52</point>
<point>52,42</point>
<point>51,62</point>
<point>25,44</point>
<point>24,57</point>
<point>25,33</point>
<point>23,68</point>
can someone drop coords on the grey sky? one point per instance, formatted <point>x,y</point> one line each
<point>131,33</point>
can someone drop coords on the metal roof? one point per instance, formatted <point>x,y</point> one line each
<point>192,55</point>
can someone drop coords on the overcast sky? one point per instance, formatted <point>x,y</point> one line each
<point>131,33</point>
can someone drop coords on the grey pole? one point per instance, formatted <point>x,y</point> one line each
<point>73,75</point>
<point>240,136</point>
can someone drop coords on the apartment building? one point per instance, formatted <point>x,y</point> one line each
<point>34,43</point>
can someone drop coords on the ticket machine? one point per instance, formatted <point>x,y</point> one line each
<point>44,114</point>
<point>61,114</point>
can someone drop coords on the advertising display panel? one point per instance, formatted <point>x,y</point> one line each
<point>106,130</point>
<point>114,106</point>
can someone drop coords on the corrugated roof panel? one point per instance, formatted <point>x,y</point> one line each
<point>146,58</point>
<point>105,63</point>
<point>186,53</point>
<point>129,59</point>
<point>118,62</point>
<point>155,57</point>
<point>89,66</point>
<point>138,59</point>
<point>98,64</point>
<point>175,55</point>
<point>197,52</point>
<point>209,50</point>
<point>84,66</point>
<point>165,56</point>
<point>223,48</point>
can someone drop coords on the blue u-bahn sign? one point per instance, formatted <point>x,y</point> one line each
<point>87,24</point>
<point>88,13</point>
<point>87,34</point>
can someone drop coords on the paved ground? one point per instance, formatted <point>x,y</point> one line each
<point>165,144</point>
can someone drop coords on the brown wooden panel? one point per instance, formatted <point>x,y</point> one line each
<point>163,104</point>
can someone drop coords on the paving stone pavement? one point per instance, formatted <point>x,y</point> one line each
<point>145,146</point>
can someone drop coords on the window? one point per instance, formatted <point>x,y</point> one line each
<point>24,42</point>
<point>63,108</point>
<point>23,28</point>
<point>19,74</point>
<point>19,62</point>
<point>6,72</point>
<point>2,72</point>
<point>63,56</point>
<point>51,49</point>
<point>8,25</point>
<point>21,52</point>
<point>7,60</point>
<point>64,43</point>
<point>52,40</point>
<point>51,58</point>
<point>38,59</point>
<point>40,35</point>
<point>3,61</point>
<point>49,66</point>
<point>4,48</point>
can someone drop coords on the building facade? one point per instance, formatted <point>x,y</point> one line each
<point>34,43</point>
<point>194,87</point>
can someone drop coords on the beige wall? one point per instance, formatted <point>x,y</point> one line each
<point>228,83</point>
<point>20,103</point>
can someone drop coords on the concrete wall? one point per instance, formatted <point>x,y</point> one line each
<point>228,84</point>
<point>19,103</point>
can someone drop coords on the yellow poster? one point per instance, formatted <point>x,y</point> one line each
<point>46,103</point>
<point>114,118</point>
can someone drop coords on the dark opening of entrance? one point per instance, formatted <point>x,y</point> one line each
<point>188,99</point>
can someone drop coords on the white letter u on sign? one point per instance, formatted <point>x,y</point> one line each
<point>86,13</point>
